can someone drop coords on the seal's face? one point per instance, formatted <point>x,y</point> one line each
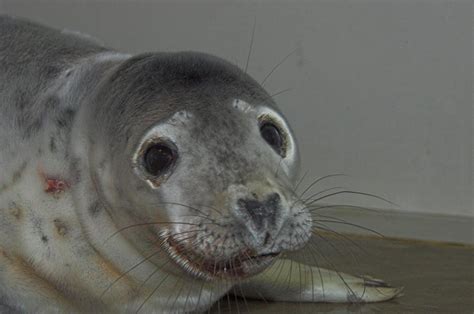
<point>214,180</point>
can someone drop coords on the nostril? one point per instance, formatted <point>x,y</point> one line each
<point>249,204</point>
<point>273,199</point>
<point>268,238</point>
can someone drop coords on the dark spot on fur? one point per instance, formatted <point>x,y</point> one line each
<point>22,99</point>
<point>52,144</point>
<point>33,127</point>
<point>16,211</point>
<point>102,164</point>
<point>51,103</point>
<point>15,177</point>
<point>75,170</point>
<point>44,239</point>
<point>36,222</point>
<point>65,118</point>
<point>61,228</point>
<point>31,124</point>
<point>51,71</point>
<point>17,174</point>
<point>95,208</point>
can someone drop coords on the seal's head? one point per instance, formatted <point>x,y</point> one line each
<point>202,162</point>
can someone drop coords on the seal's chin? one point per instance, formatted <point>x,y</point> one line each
<point>241,265</point>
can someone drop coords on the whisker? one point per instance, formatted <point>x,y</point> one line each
<point>251,44</point>
<point>326,228</point>
<point>333,267</point>
<point>276,66</point>
<point>173,289</point>
<point>151,275</point>
<point>300,281</point>
<point>149,224</point>
<point>177,296</point>
<point>321,179</point>
<point>300,180</point>
<point>152,293</point>
<point>213,208</point>
<point>235,294</point>
<point>127,272</point>
<point>280,92</point>
<point>309,252</point>
<point>353,225</point>
<point>342,206</point>
<point>352,192</point>
<point>141,262</point>
<point>241,291</point>
<point>206,216</point>
<point>321,192</point>
<point>280,270</point>
<point>158,268</point>
<point>254,289</point>
<point>350,251</point>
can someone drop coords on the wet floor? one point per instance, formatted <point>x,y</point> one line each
<point>437,277</point>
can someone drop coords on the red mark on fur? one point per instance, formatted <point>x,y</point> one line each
<point>53,185</point>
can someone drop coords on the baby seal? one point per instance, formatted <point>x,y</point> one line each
<point>156,182</point>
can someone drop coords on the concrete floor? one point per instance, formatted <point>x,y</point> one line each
<point>437,277</point>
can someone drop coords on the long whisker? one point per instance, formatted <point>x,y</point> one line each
<point>353,225</point>
<point>311,270</point>
<point>350,251</point>
<point>241,291</point>
<point>322,192</point>
<point>300,180</point>
<point>173,289</point>
<point>332,265</point>
<point>276,66</point>
<point>148,224</point>
<point>321,179</point>
<point>157,287</point>
<point>151,275</point>
<point>206,216</point>
<point>153,292</point>
<point>280,92</point>
<point>251,44</point>
<point>326,228</point>
<point>316,208</point>
<point>177,296</point>
<point>351,192</point>
<point>141,262</point>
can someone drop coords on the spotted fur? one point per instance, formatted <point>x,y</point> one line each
<point>84,228</point>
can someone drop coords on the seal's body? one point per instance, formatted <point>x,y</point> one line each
<point>154,183</point>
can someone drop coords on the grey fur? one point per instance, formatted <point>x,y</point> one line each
<point>76,118</point>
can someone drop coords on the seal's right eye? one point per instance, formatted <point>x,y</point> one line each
<point>272,135</point>
<point>158,158</point>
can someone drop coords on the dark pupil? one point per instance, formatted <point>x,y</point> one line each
<point>271,134</point>
<point>158,158</point>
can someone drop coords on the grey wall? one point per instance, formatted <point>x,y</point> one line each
<point>380,90</point>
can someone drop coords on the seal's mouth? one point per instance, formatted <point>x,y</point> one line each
<point>241,265</point>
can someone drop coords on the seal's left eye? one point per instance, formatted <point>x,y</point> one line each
<point>272,135</point>
<point>158,158</point>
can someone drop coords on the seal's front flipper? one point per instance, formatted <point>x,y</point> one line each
<point>291,281</point>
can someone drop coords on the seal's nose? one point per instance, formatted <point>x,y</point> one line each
<point>260,217</point>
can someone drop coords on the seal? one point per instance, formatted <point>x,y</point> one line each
<point>156,182</point>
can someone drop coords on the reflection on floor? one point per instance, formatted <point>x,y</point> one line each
<point>437,277</point>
